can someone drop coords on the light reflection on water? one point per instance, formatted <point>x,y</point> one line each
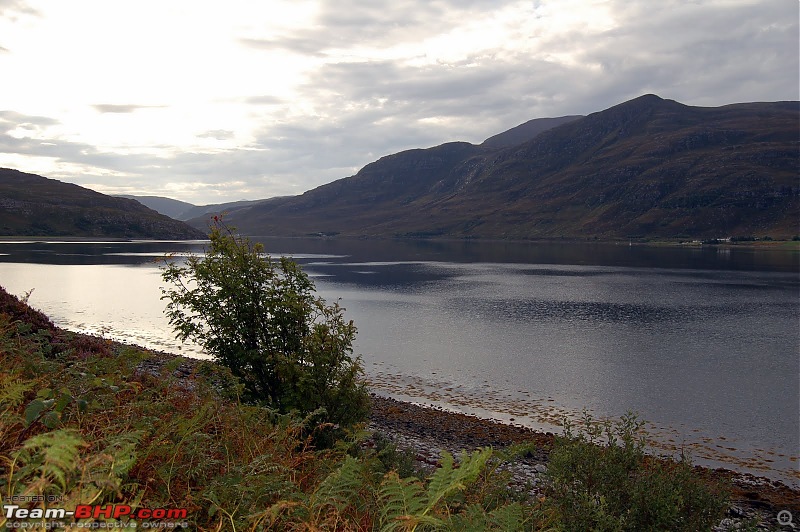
<point>706,350</point>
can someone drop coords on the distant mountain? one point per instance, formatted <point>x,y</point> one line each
<point>166,206</point>
<point>207,211</point>
<point>181,210</point>
<point>32,205</point>
<point>527,131</point>
<point>648,167</point>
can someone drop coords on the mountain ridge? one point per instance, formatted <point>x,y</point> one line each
<point>526,131</point>
<point>648,167</point>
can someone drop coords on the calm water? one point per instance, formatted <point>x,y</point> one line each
<point>703,343</point>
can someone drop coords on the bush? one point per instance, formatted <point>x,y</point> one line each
<point>613,485</point>
<point>261,319</point>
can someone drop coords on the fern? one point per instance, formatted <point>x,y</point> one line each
<point>122,452</point>
<point>339,487</point>
<point>474,518</point>
<point>401,499</point>
<point>406,504</point>
<point>447,479</point>
<point>509,517</point>
<point>12,391</point>
<point>53,456</point>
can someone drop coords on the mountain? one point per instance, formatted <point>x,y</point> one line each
<point>204,212</point>
<point>166,206</point>
<point>527,131</point>
<point>649,167</point>
<point>32,205</point>
<point>183,211</point>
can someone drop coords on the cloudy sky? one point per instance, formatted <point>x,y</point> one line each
<point>218,101</point>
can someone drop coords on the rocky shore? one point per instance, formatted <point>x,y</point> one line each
<point>426,432</point>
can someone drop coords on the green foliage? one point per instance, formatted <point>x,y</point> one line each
<point>61,463</point>
<point>393,458</point>
<point>601,479</point>
<point>407,504</point>
<point>261,318</point>
<point>352,497</point>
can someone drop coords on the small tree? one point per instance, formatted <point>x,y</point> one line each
<point>262,319</point>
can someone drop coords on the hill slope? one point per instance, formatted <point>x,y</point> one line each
<point>527,131</point>
<point>183,211</point>
<point>31,205</point>
<point>648,168</point>
<point>205,212</point>
<point>166,206</point>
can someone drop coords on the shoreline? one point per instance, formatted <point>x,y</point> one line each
<point>665,437</point>
<point>426,431</point>
<point>782,244</point>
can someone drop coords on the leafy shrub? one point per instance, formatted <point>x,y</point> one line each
<point>261,319</point>
<point>613,485</point>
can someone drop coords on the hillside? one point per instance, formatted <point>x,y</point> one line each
<point>527,131</point>
<point>183,211</point>
<point>32,205</point>
<point>649,168</point>
<point>166,206</point>
<point>206,211</point>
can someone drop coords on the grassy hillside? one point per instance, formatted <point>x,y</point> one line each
<point>32,205</point>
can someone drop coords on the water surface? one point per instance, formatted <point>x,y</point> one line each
<point>702,342</point>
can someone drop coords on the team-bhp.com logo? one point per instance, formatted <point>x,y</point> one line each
<point>49,518</point>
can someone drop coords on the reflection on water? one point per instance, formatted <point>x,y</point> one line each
<point>703,344</point>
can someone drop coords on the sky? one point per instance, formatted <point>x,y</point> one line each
<point>209,102</point>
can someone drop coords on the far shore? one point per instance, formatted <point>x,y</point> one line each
<point>756,245</point>
<point>20,238</point>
